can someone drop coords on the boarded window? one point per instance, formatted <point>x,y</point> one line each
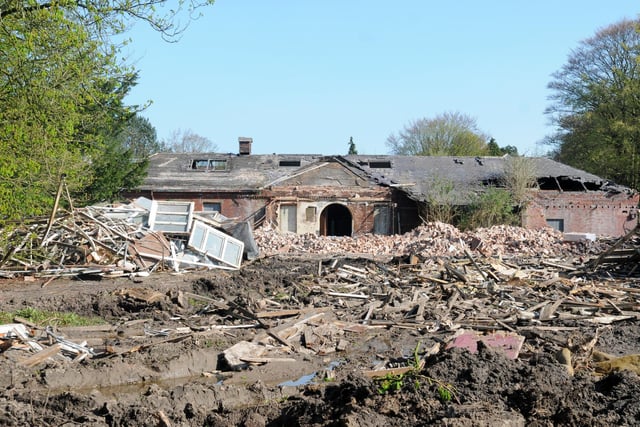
<point>382,220</point>
<point>556,224</point>
<point>311,214</point>
<point>288,219</point>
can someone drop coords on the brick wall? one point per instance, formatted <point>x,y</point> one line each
<point>585,212</point>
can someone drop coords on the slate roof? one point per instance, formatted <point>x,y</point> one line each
<point>416,174</point>
<point>413,174</point>
<point>174,171</point>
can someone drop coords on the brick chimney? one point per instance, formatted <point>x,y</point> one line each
<point>244,146</point>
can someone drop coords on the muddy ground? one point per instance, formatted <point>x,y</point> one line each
<point>180,379</point>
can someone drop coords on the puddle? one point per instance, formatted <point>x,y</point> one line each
<point>141,386</point>
<point>303,380</point>
<point>308,379</point>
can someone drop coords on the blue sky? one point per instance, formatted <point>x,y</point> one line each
<point>303,76</point>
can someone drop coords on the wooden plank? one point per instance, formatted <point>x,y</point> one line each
<point>379,373</point>
<point>278,313</point>
<point>219,305</point>
<point>344,295</point>
<point>41,356</point>
<point>547,312</point>
<point>261,360</point>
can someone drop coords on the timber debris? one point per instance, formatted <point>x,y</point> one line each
<point>497,287</point>
<point>110,241</point>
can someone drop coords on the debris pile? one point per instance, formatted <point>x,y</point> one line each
<point>133,239</point>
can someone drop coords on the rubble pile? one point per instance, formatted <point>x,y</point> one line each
<point>428,240</point>
<point>144,236</point>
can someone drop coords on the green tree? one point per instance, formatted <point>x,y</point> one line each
<point>596,105</point>
<point>491,207</point>
<point>62,87</point>
<point>493,149</point>
<point>122,161</point>
<point>115,170</point>
<point>140,136</point>
<point>352,146</point>
<point>53,98</point>
<point>108,17</point>
<point>449,134</point>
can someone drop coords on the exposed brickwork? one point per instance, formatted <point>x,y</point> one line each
<point>584,212</point>
<point>588,212</point>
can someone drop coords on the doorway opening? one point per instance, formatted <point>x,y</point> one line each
<point>335,220</point>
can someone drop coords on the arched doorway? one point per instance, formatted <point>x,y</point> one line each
<point>335,220</point>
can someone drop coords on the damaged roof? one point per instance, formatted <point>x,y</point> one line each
<point>419,175</point>
<point>190,172</point>
<point>415,175</point>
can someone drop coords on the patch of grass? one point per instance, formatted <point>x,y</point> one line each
<point>197,303</point>
<point>444,393</point>
<point>44,318</point>
<point>5,317</point>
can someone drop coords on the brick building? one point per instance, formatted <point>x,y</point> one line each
<point>357,194</point>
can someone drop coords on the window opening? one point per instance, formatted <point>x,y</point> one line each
<point>218,165</point>
<point>380,164</point>
<point>212,207</point>
<point>289,163</point>
<point>556,224</point>
<point>200,164</point>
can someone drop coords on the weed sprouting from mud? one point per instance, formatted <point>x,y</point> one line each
<point>392,383</point>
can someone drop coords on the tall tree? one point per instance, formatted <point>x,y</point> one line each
<point>140,137</point>
<point>449,134</point>
<point>107,17</point>
<point>187,141</point>
<point>493,149</point>
<point>352,146</point>
<point>596,105</point>
<point>58,90</point>
<point>123,159</point>
<point>62,90</point>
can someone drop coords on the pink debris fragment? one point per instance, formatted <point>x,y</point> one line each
<point>509,343</point>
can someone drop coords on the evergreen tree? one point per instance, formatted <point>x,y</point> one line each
<point>352,146</point>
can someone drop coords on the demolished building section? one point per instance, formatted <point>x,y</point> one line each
<point>575,201</point>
